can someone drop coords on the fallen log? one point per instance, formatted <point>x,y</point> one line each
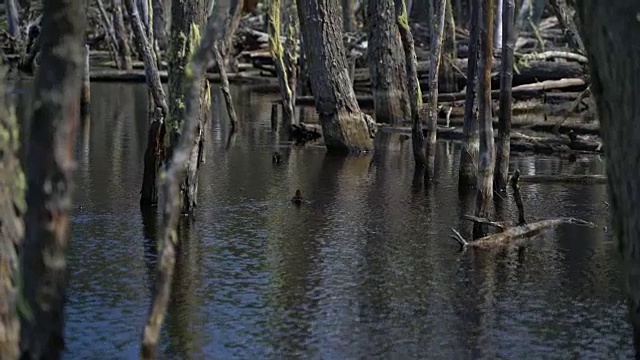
<point>508,236</point>
<point>139,76</point>
<point>567,179</point>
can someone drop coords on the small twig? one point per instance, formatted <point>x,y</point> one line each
<point>457,237</point>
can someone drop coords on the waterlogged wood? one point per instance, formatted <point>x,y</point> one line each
<point>500,225</point>
<point>386,65</point>
<point>564,179</point>
<point>486,156</point>
<point>415,94</point>
<point>12,208</point>
<point>85,96</point>
<point>233,119</point>
<point>506,77</point>
<point>434,71</point>
<point>172,183</point>
<point>49,169</point>
<point>468,172</point>
<point>344,126</point>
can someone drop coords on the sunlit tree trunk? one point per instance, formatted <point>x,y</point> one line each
<point>470,143</point>
<point>49,176</point>
<point>386,64</point>
<point>486,161</point>
<point>187,18</point>
<point>609,29</point>
<point>12,208</point>
<point>344,126</point>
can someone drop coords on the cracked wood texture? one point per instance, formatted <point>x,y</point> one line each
<point>609,29</point>
<point>344,127</point>
<point>386,64</point>
<point>49,176</point>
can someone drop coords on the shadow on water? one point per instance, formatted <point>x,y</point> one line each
<point>364,268</point>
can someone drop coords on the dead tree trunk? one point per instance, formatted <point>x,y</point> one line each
<point>13,20</point>
<point>565,15</point>
<point>470,144</point>
<point>224,85</point>
<point>506,75</point>
<point>12,207</point>
<point>159,23</point>
<point>415,94</point>
<point>172,188</point>
<point>608,28</point>
<point>277,53</point>
<point>436,51</point>
<point>344,126</point>
<point>143,10</point>
<point>348,15</point>
<point>49,176</point>
<point>232,21</point>
<point>486,161</point>
<point>186,20</point>
<point>448,81</point>
<point>124,52</point>
<point>290,27</point>
<point>108,28</point>
<point>498,24</point>
<point>386,65</point>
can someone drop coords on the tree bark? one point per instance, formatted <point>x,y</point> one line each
<point>12,207</point>
<point>348,15</point>
<point>143,11</point>
<point>415,94</point>
<point>565,15</point>
<point>436,51</point>
<point>124,52</point>
<point>608,29</point>
<point>506,75</point>
<point>13,20</point>
<point>499,23</point>
<point>448,82</point>
<point>470,144</point>
<point>49,176</point>
<point>344,126</point>
<point>187,18</point>
<point>486,159</point>
<point>277,53</point>
<point>159,23</point>
<point>233,119</point>
<point>386,65</point>
<point>290,27</point>
<point>186,143</point>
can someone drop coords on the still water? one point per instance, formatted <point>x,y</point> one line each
<point>364,269</point>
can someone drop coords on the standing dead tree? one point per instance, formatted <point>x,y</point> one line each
<point>124,52</point>
<point>277,53</point>
<point>49,176</point>
<point>565,15</point>
<point>486,159</point>
<point>194,75</point>
<point>609,30</point>
<point>346,129</point>
<point>436,55</point>
<point>470,144</point>
<point>506,77</point>
<point>12,207</point>
<point>415,94</point>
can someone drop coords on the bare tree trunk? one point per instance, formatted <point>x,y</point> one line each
<point>108,28</point>
<point>13,20</point>
<point>344,126</point>
<point>277,53</point>
<point>565,15</point>
<point>436,51</point>
<point>470,144</point>
<point>415,94</point>
<point>448,82</point>
<point>186,20</point>
<point>124,52</point>
<point>225,89</point>
<point>143,10</point>
<point>292,34</point>
<point>497,33</point>
<point>49,176</point>
<point>506,75</point>
<point>159,23</point>
<point>608,29</point>
<point>172,188</point>
<point>348,15</point>
<point>232,21</point>
<point>487,160</point>
<point>386,65</point>
<point>12,207</point>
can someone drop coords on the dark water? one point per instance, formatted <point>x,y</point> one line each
<point>364,269</point>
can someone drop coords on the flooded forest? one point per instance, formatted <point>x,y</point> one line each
<point>335,179</point>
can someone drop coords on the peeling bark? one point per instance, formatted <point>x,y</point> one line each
<point>344,126</point>
<point>609,30</point>
<point>12,207</point>
<point>506,77</point>
<point>436,56</point>
<point>470,144</point>
<point>49,172</point>
<point>386,65</point>
<point>486,161</point>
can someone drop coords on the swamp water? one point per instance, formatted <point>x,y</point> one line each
<point>364,269</point>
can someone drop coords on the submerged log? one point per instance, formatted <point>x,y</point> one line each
<point>595,179</point>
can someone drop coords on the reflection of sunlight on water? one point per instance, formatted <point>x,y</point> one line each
<point>364,268</point>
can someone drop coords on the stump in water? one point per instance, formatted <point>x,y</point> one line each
<point>85,95</point>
